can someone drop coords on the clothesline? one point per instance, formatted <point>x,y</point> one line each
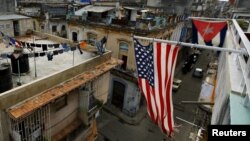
<point>184,44</point>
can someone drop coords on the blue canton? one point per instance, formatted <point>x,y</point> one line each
<point>144,62</point>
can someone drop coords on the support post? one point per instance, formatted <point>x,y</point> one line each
<point>34,56</point>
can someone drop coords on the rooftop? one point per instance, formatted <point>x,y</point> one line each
<point>62,89</point>
<point>43,66</point>
<point>12,17</point>
<point>91,8</point>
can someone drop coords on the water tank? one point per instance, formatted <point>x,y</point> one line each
<point>23,63</point>
<point>5,78</point>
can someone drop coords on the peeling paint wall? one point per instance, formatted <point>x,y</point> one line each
<point>7,6</point>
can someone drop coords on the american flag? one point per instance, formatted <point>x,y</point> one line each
<point>155,66</point>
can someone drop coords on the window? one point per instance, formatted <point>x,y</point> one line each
<point>123,46</point>
<point>54,28</point>
<point>123,54</point>
<point>92,101</point>
<point>42,27</point>
<point>60,103</point>
<point>1,26</point>
<point>92,38</point>
<point>63,28</point>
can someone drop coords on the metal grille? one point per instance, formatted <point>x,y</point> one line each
<point>34,127</point>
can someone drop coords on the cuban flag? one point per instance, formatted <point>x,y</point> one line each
<point>211,33</point>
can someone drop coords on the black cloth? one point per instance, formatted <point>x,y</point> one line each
<point>32,45</point>
<point>38,45</point>
<point>50,45</point>
<point>36,54</point>
<point>56,45</point>
<point>55,52</point>
<point>25,55</point>
<point>50,56</point>
<point>60,51</point>
<point>73,48</point>
<point>44,46</point>
<point>42,53</point>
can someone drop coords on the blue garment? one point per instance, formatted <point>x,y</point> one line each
<point>100,45</point>
<point>65,47</point>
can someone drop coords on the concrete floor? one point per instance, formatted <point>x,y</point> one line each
<point>112,129</point>
<point>43,66</point>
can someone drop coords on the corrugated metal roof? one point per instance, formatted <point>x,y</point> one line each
<point>12,17</point>
<point>91,8</point>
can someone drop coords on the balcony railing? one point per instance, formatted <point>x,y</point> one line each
<point>243,60</point>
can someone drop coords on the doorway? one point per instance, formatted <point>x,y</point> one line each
<point>118,94</point>
<point>74,36</point>
<point>124,59</point>
<point>16,28</point>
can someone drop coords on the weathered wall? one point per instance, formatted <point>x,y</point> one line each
<point>7,27</point>
<point>102,87</point>
<point>132,95</point>
<point>24,25</point>
<point>63,117</point>
<point>23,92</point>
<point>113,41</point>
<point>54,38</point>
<point>7,6</point>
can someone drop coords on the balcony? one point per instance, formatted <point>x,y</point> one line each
<point>243,61</point>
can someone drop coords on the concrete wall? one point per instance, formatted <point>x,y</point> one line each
<point>102,87</point>
<point>54,38</point>
<point>24,25</point>
<point>113,41</point>
<point>132,95</point>
<point>63,117</point>
<point>223,89</point>
<point>16,95</point>
<point>243,4</point>
<point>7,6</point>
<point>7,27</point>
<point>4,134</point>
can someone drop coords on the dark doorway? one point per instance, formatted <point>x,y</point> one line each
<point>16,28</point>
<point>74,36</point>
<point>124,59</point>
<point>118,94</point>
<point>63,32</point>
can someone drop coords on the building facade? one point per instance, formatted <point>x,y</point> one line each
<point>232,95</point>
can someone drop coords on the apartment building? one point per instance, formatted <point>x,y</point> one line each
<point>233,81</point>
<point>56,92</point>
<point>118,23</point>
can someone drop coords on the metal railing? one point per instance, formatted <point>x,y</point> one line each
<point>244,60</point>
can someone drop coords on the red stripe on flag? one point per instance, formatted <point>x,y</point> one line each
<point>160,84</point>
<point>166,82</point>
<point>169,92</point>
<point>147,96</point>
<point>157,109</point>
